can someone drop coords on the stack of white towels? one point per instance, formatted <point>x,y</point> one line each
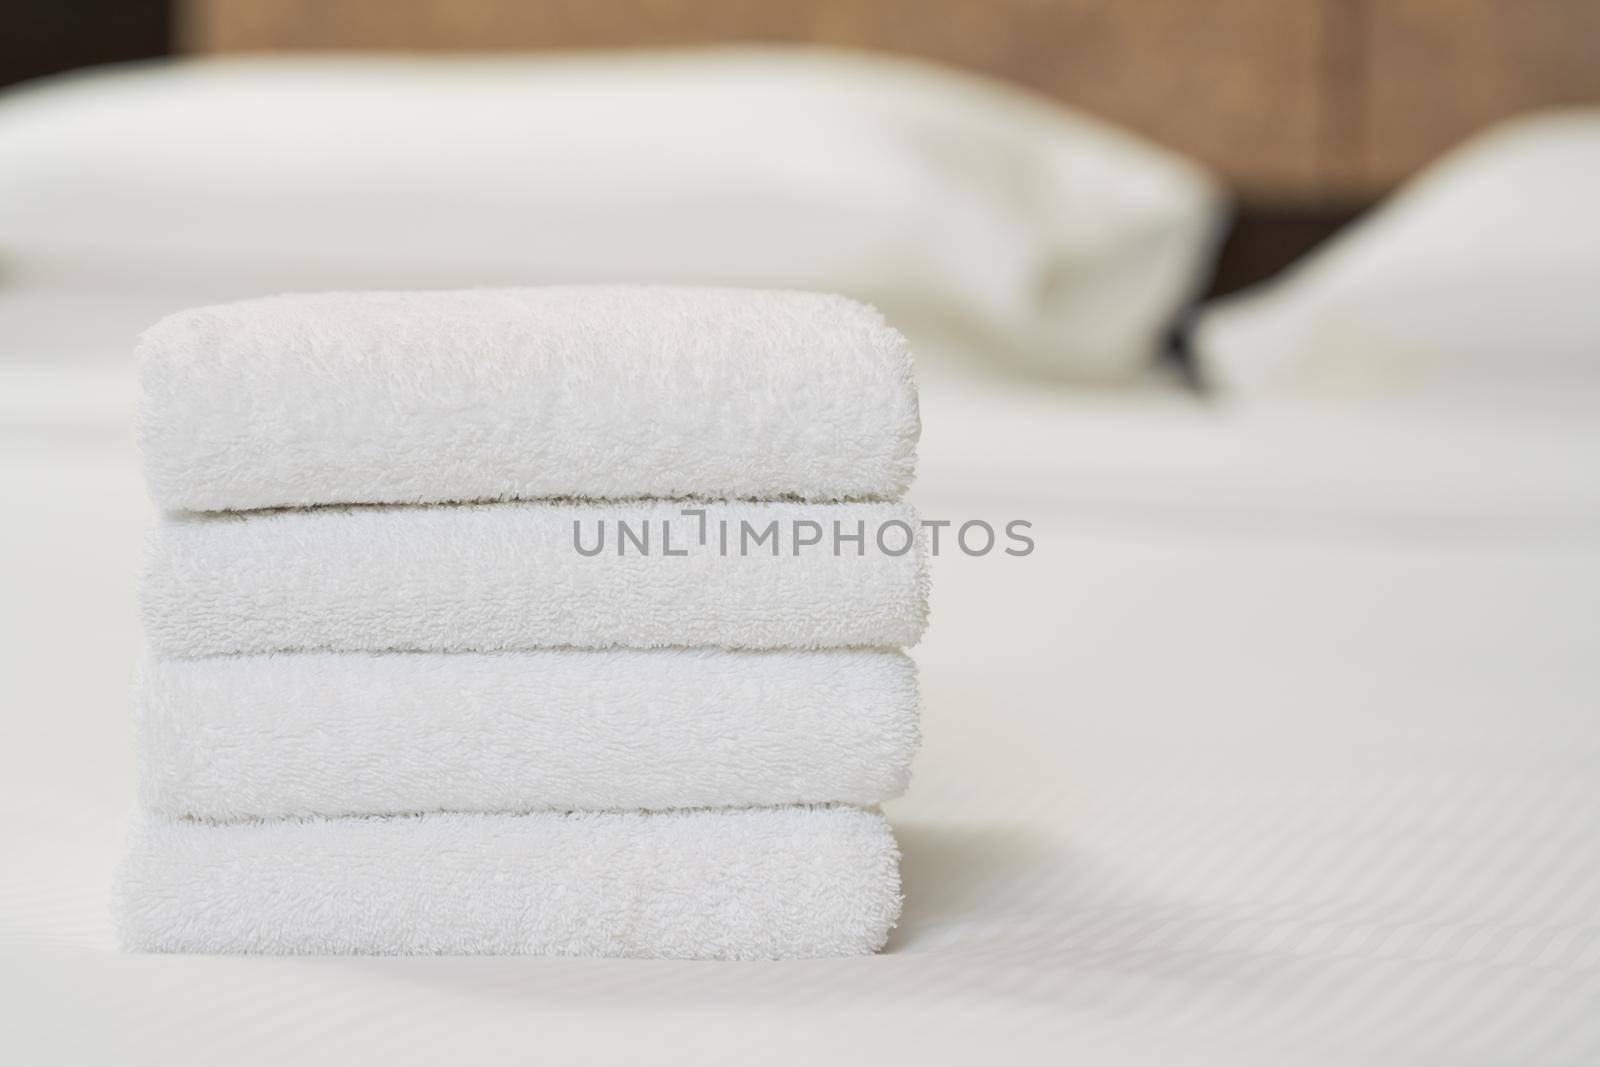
<point>395,701</point>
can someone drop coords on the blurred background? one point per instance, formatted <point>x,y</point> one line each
<point>1276,318</point>
<point>1080,181</point>
<point>1310,110</point>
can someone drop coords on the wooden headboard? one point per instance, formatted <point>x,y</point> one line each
<point>1298,101</point>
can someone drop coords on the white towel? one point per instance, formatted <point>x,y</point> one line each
<point>334,733</point>
<point>493,577</point>
<point>495,394</point>
<point>762,883</point>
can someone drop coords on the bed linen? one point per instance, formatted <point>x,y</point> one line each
<point>535,574</point>
<point>359,733</point>
<point>691,884</point>
<point>532,393</point>
<point>1472,285</point>
<point>1280,747</point>
<point>1066,243</point>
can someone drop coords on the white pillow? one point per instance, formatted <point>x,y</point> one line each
<point>1479,282</point>
<point>959,205</point>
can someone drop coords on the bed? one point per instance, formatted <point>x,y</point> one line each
<point>1281,746</point>
<point>1241,763</point>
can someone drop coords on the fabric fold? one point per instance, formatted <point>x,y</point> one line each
<point>306,734</point>
<point>745,884</point>
<point>594,392</point>
<point>495,577</point>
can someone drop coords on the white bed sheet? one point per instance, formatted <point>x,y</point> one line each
<point>1282,747</point>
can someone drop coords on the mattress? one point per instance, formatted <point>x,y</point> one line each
<point>1280,746</point>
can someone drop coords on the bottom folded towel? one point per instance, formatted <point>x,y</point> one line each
<point>761,883</point>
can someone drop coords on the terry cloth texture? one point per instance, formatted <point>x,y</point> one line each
<point>603,392</point>
<point>341,733</point>
<point>493,577</point>
<point>761,883</point>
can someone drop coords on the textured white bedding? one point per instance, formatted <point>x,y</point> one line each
<point>1281,747</point>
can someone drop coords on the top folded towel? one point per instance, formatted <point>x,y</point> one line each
<point>603,392</point>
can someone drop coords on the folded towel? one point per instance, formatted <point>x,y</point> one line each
<point>497,394</point>
<point>345,733</point>
<point>762,883</point>
<point>491,577</point>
